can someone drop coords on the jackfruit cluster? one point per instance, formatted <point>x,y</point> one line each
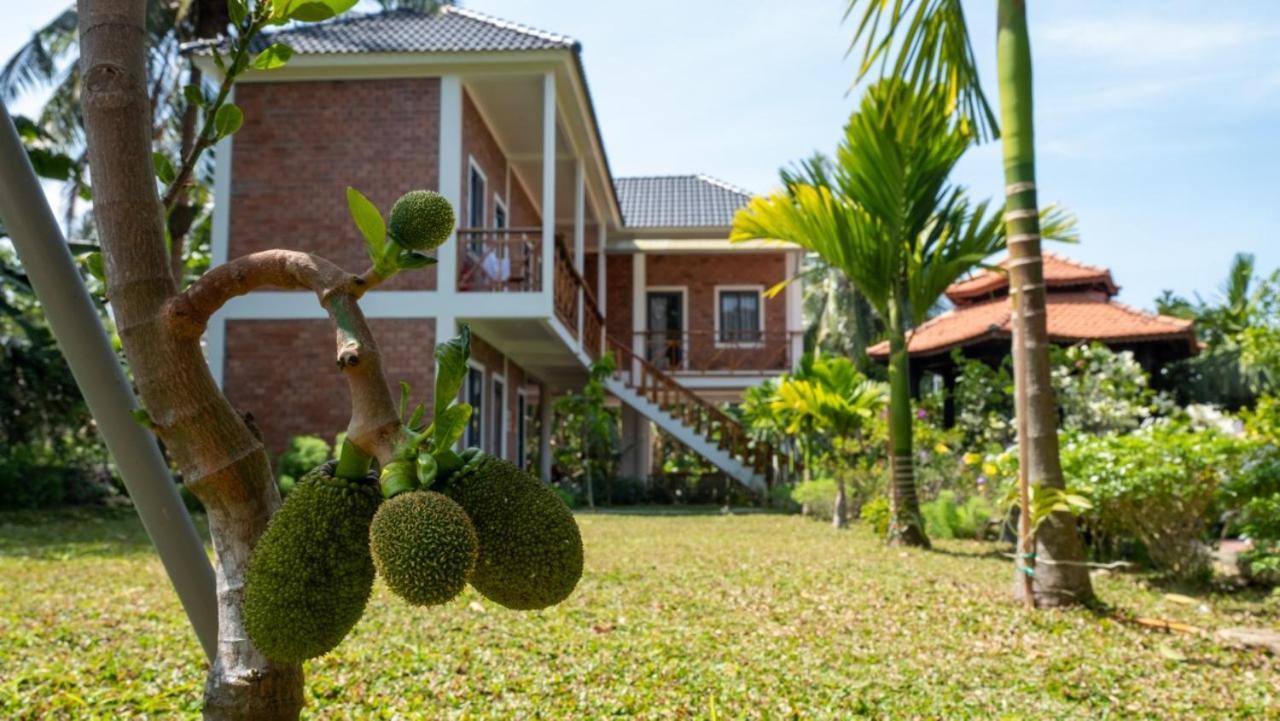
<point>311,573</point>
<point>424,547</point>
<point>530,550</point>
<point>421,220</point>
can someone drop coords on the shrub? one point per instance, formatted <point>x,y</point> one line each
<point>301,455</point>
<point>945,517</point>
<point>875,513</point>
<point>1157,486</point>
<point>816,497</point>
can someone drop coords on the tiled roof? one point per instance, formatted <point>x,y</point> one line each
<point>1058,271</point>
<point>1072,318</point>
<point>678,201</point>
<point>451,29</point>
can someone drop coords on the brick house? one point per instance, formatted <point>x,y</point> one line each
<point>555,261</point>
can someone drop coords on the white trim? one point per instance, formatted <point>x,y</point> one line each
<point>794,296</point>
<point>549,121</point>
<point>498,202</point>
<point>602,284</point>
<point>474,167</point>
<point>759,290</point>
<point>215,336</point>
<point>500,443</point>
<point>450,184</point>
<point>466,398</point>
<point>668,246</point>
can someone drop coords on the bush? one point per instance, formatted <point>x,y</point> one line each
<point>876,514</point>
<point>302,454</point>
<point>1261,565</point>
<point>944,517</point>
<point>817,498</point>
<point>1158,486</point>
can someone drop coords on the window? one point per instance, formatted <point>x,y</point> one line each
<point>499,442</point>
<point>739,316</point>
<point>499,213</point>
<point>522,424</point>
<point>476,197</point>
<point>475,397</point>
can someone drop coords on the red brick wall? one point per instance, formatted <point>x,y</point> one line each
<point>283,373</point>
<point>493,361</point>
<point>478,144</point>
<point>702,273</point>
<point>303,143</point>
<point>618,277</point>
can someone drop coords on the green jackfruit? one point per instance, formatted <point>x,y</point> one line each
<point>421,220</point>
<point>423,546</point>
<point>311,573</point>
<point>530,548</point>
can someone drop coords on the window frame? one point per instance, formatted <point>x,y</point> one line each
<point>500,205</point>
<point>477,411</point>
<point>522,428</point>
<point>474,169</point>
<point>758,290</point>
<point>499,444</point>
<point>686,340</point>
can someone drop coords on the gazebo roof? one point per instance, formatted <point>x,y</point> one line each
<point>1072,317</point>
<point>1059,272</point>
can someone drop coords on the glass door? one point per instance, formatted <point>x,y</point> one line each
<point>664,341</point>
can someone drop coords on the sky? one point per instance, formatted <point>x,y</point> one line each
<point>1157,121</point>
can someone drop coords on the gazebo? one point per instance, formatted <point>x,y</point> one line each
<point>1081,309</point>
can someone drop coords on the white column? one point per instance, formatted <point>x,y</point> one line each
<point>544,432</point>
<point>579,234</point>
<point>450,178</point>
<point>548,184</point>
<point>637,309</point>
<point>795,305</point>
<point>215,336</point>
<point>602,239</point>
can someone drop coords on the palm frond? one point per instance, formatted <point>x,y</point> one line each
<point>931,40</point>
<point>37,62</point>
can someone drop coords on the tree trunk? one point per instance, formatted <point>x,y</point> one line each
<point>840,514</point>
<point>223,463</point>
<point>905,525</point>
<point>1058,580</point>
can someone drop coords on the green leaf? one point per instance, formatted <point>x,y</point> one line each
<point>369,220</point>
<point>451,368</point>
<point>412,260</point>
<point>404,398</point>
<point>93,263</point>
<point>50,164</point>
<point>164,168</point>
<point>142,418</point>
<point>194,95</point>
<point>450,424</point>
<point>314,11</point>
<point>415,420</point>
<point>228,120</point>
<point>273,57</point>
<point>237,10</point>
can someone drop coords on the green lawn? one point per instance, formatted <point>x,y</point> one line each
<point>756,616</point>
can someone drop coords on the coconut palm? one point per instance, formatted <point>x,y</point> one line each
<point>899,231</point>
<point>931,42</point>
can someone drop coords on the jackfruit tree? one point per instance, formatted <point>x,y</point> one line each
<point>293,579</point>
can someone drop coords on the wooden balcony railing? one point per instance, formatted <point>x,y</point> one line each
<point>569,287</point>
<point>709,351</point>
<point>502,260</point>
<point>689,408</point>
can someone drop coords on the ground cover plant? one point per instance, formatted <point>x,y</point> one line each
<point>759,616</point>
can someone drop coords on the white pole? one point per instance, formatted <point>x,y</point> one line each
<point>75,325</point>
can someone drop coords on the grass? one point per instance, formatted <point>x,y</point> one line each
<point>759,616</point>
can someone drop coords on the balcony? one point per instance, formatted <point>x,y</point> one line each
<point>720,352</point>
<point>500,260</point>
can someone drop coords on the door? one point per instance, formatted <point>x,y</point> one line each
<point>664,342</point>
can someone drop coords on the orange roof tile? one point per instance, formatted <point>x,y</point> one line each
<point>1058,271</point>
<point>1072,317</point>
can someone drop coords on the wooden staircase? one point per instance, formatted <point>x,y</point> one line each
<point>700,425</point>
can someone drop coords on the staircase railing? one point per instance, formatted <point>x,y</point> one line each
<point>689,408</point>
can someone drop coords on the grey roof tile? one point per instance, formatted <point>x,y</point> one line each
<point>678,201</point>
<point>451,29</point>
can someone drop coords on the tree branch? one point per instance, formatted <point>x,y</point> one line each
<point>375,426</point>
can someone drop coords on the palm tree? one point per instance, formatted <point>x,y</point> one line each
<point>900,233</point>
<point>931,39</point>
<point>829,394</point>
